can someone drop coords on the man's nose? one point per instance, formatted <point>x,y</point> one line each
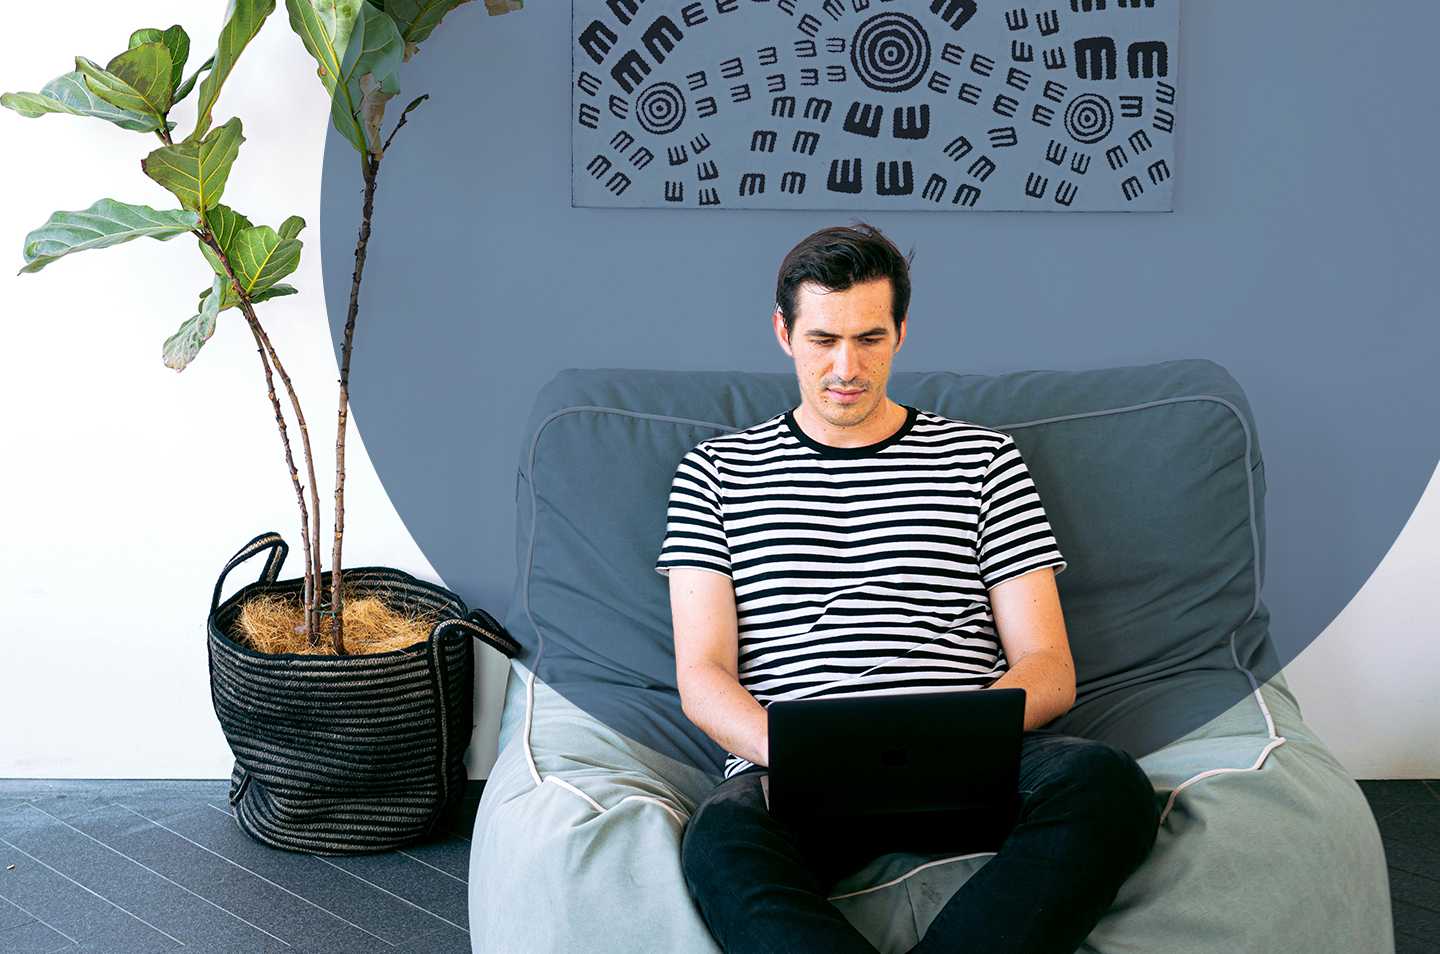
<point>845,362</point>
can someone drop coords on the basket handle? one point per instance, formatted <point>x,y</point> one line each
<point>271,541</point>
<point>482,625</point>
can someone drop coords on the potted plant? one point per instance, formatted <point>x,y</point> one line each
<point>345,695</point>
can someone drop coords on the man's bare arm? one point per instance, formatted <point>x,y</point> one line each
<point>1031,627</point>
<point>707,639</point>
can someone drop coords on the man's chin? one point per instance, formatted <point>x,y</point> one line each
<point>847,410</point>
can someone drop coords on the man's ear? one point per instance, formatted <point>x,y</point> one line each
<point>777,318</point>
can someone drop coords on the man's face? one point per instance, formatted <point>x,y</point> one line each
<point>842,341</point>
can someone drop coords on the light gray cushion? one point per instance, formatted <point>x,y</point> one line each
<point>1154,485</point>
<point>576,845</point>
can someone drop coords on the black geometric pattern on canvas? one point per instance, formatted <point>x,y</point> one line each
<point>951,105</point>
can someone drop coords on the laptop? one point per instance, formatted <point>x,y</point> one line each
<point>924,772</point>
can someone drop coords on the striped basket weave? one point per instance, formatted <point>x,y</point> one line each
<point>344,754</point>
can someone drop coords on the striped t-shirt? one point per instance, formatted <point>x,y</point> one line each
<point>860,570</point>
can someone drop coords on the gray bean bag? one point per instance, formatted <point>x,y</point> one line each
<point>1154,483</point>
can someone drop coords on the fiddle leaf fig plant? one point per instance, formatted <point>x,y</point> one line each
<point>242,22</point>
<point>195,171</point>
<point>71,94</point>
<point>359,47</point>
<point>182,347</point>
<point>107,222</point>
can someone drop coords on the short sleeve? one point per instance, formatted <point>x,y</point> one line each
<point>1015,535</point>
<point>694,525</point>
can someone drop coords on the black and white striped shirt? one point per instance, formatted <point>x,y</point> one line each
<point>860,570</point>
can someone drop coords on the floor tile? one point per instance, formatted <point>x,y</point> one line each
<point>66,798</point>
<point>33,938</point>
<point>1386,795</point>
<point>1417,825</point>
<point>444,941</point>
<point>1406,944</point>
<point>441,894</point>
<point>87,850</point>
<point>406,879</point>
<point>451,856</point>
<point>1415,889</point>
<point>291,916</point>
<point>213,828</point>
<point>1418,922</point>
<point>12,916</point>
<point>71,907</point>
<point>1401,855</point>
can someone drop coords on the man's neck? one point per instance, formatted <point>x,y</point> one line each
<point>891,415</point>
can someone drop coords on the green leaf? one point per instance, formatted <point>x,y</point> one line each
<point>325,28</point>
<point>417,19</point>
<point>242,21</point>
<point>176,40</point>
<point>189,84</point>
<point>373,64</point>
<point>70,94</point>
<point>137,80</point>
<point>359,51</point>
<point>105,223</point>
<point>228,299</point>
<point>291,227</point>
<point>196,171</point>
<point>243,242</point>
<point>413,103</point>
<point>261,258</point>
<point>276,291</point>
<point>224,223</point>
<point>182,347</point>
<point>227,294</point>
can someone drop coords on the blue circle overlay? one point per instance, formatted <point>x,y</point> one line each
<point>1300,256</point>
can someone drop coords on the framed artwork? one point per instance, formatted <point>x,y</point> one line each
<point>950,105</point>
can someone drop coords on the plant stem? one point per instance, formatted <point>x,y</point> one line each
<point>312,611</point>
<point>312,586</point>
<point>312,577</point>
<point>310,583</point>
<point>371,169</point>
<point>337,601</point>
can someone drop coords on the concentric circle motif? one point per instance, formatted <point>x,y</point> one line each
<point>1089,118</point>
<point>890,52</point>
<point>660,108</point>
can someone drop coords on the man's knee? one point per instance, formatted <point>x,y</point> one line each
<point>719,821</point>
<point>1123,795</point>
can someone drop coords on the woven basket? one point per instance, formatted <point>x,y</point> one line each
<point>340,755</point>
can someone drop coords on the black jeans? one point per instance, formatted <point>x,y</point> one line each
<point>1088,818</point>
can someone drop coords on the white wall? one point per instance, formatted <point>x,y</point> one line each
<point>125,486</point>
<point>1370,684</point>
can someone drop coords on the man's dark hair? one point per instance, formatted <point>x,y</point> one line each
<point>840,256</point>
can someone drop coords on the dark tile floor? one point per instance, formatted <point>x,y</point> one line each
<point>130,867</point>
<point>1409,816</point>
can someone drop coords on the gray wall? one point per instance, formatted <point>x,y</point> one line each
<point>1300,256</point>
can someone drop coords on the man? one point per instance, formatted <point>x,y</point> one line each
<point>856,546</point>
